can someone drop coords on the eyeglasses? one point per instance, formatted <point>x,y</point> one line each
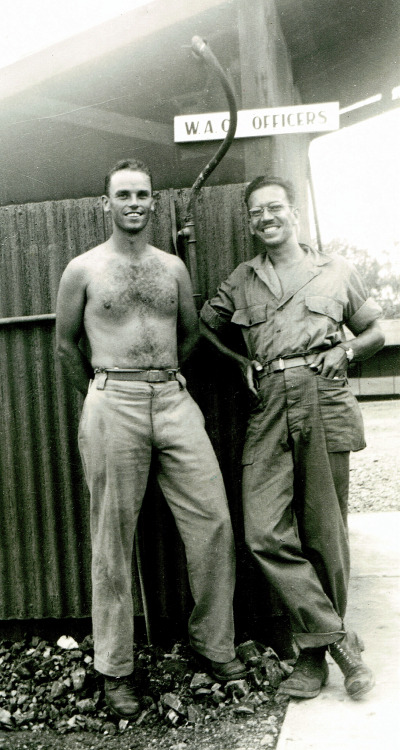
<point>273,208</point>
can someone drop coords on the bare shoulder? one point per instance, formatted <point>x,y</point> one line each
<point>174,264</point>
<point>79,268</point>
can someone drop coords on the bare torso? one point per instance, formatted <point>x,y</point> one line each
<point>130,316</point>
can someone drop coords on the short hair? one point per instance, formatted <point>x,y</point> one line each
<point>264,180</point>
<point>134,164</point>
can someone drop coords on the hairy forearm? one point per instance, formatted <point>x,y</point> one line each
<point>75,365</point>
<point>367,343</point>
<point>214,339</point>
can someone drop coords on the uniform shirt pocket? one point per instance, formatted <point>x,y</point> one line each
<point>250,316</point>
<point>325,306</point>
<point>323,319</point>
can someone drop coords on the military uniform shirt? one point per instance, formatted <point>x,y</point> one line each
<point>324,293</point>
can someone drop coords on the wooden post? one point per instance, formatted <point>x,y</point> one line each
<point>267,81</point>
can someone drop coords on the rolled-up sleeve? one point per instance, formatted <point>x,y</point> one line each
<point>365,315</point>
<point>217,312</point>
<point>361,310</point>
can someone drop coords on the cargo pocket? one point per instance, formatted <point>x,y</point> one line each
<point>341,415</point>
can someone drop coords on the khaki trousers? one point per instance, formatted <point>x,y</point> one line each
<point>121,426</point>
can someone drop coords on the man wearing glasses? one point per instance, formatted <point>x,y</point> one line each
<point>290,303</point>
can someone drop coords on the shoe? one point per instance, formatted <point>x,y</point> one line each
<point>120,697</point>
<point>309,675</point>
<point>347,655</point>
<point>228,670</point>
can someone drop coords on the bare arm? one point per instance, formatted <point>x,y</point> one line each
<point>247,366</point>
<point>334,361</point>
<point>188,323</point>
<point>69,323</point>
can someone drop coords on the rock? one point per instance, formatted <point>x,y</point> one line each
<point>201,680</point>
<point>194,714</point>
<point>202,693</point>
<point>78,677</point>
<point>172,716</point>
<point>170,700</point>
<point>87,644</point>
<point>249,654</point>
<point>272,672</point>
<point>268,739</point>
<point>57,690</point>
<point>86,706</point>
<point>66,642</point>
<point>218,696</point>
<point>286,667</point>
<point>26,669</point>
<point>244,708</point>
<point>5,718</point>
<point>16,648</point>
<point>237,688</point>
<point>109,728</point>
<point>269,653</point>
<point>255,677</point>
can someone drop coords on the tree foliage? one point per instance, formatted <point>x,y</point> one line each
<point>381,281</point>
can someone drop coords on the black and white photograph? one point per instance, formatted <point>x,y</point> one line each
<point>200,375</point>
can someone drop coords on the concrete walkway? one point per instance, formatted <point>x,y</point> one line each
<point>333,721</point>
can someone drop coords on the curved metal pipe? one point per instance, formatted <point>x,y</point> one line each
<point>201,49</point>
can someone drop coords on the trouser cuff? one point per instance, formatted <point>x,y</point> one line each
<point>316,640</point>
<point>108,670</point>
<point>213,655</point>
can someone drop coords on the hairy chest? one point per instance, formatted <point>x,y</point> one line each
<point>147,288</point>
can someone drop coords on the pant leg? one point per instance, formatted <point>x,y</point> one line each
<point>321,516</point>
<point>191,481</point>
<point>114,441</point>
<point>270,523</point>
<point>320,419</point>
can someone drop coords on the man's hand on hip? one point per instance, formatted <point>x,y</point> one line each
<point>331,364</point>
<point>249,370</point>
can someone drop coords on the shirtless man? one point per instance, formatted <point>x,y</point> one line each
<point>133,307</point>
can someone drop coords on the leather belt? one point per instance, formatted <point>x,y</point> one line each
<point>148,376</point>
<point>280,364</point>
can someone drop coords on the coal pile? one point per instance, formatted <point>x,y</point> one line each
<point>54,686</point>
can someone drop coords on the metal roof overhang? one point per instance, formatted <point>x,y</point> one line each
<point>72,110</point>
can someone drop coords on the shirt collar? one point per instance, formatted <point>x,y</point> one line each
<point>314,257</point>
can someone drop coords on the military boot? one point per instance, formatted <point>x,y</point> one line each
<point>309,675</point>
<point>120,697</point>
<point>347,655</point>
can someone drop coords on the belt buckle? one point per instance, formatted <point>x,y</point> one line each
<point>281,365</point>
<point>154,376</point>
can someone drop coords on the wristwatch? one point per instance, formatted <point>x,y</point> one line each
<point>348,351</point>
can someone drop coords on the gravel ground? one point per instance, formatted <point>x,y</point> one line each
<point>374,472</point>
<point>51,699</point>
<point>374,486</point>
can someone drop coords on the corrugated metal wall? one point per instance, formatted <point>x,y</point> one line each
<point>45,549</point>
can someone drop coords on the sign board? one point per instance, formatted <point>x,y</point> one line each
<point>253,123</point>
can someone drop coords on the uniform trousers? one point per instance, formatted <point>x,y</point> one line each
<point>122,424</point>
<point>295,494</point>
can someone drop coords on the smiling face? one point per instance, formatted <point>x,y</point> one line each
<point>129,200</point>
<point>273,228</point>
